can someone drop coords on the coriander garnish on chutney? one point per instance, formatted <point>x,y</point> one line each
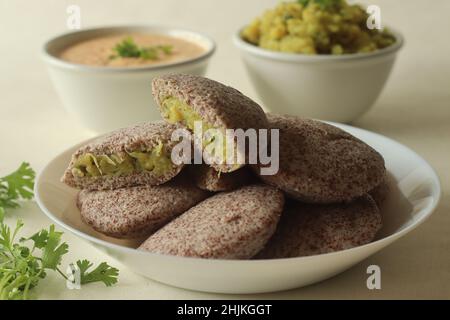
<point>127,48</point>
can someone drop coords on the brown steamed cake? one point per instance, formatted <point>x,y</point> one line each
<point>208,178</point>
<point>144,136</point>
<point>228,225</point>
<point>137,211</point>
<point>381,192</point>
<point>218,105</point>
<point>320,163</point>
<point>310,229</point>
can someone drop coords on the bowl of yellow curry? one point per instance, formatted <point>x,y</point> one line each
<point>318,58</point>
<point>103,75</point>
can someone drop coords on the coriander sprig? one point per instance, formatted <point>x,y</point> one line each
<point>16,186</point>
<point>103,272</point>
<point>127,48</point>
<point>25,261</point>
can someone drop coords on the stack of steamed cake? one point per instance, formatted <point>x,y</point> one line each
<point>319,201</point>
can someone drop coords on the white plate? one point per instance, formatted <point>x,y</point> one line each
<point>415,193</point>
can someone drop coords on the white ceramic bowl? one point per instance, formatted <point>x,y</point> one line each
<point>328,87</point>
<point>106,98</point>
<point>415,192</point>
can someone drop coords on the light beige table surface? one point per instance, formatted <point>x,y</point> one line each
<point>414,109</point>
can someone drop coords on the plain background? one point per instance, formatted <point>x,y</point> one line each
<point>414,109</point>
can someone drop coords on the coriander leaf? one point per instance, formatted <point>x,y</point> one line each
<point>167,49</point>
<point>53,251</point>
<point>149,53</point>
<point>19,270</point>
<point>19,225</point>
<point>17,186</point>
<point>103,273</point>
<point>127,48</point>
<point>40,239</point>
<point>5,237</point>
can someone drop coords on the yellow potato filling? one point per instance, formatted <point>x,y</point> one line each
<point>177,111</point>
<point>316,27</point>
<point>155,160</point>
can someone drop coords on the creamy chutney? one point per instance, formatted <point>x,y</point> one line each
<point>102,51</point>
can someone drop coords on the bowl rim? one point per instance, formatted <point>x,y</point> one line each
<point>53,60</point>
<point>304,58</point>
<point>387,240</point>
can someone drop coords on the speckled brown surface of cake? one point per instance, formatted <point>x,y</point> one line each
<point>137,211</point>
<point>311,229</point>
<point>320,163</point>
<point>228,225</point>
<point>139,137</point>
<point>380,193</point>
<point>207,178</point>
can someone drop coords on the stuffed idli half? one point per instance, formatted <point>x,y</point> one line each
<point>228,225</point>
<point>320,163</point>
<point>138,155</point>
<point>310,229</point>
<point>139,211</point>
<point>191,100</point>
